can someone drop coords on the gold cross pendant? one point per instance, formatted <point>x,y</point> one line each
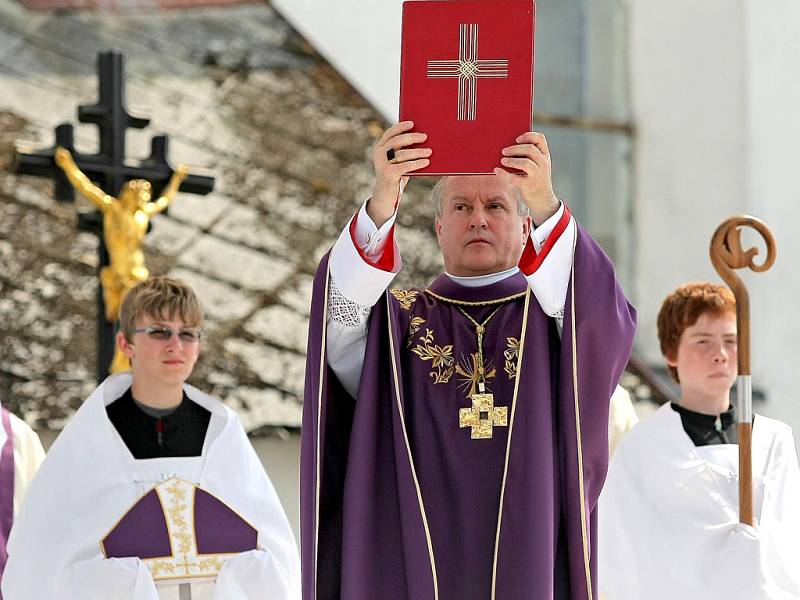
<point>483,416</point>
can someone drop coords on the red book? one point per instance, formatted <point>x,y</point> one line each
<point>466,79</point>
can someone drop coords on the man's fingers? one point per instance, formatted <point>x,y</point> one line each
<point>410,154</point>
<point>535,138</point>
<point>394,130</point>
<point>521,164</point>
<point>505,176</point>
<point>411,165</point>
<point>406,139</point>
<point>530,151</point>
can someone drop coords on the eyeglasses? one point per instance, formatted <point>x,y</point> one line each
<point>164,334</point>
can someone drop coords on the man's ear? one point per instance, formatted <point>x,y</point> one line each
<point>438,227</point>
<point>124,345</point>
<point>526,229</point>
<point>672,361</point>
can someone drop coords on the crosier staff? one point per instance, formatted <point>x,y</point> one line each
<point>727,254</point>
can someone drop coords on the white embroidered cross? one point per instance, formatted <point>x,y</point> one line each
<point>468,68</point>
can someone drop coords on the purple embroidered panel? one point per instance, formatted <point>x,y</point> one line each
<point>218,529</point>
<point>142,531</point>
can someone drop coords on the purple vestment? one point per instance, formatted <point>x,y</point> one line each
<point>398,502</point>
<point>6,488</point>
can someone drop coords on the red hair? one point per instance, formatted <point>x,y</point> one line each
<point>683,307</point>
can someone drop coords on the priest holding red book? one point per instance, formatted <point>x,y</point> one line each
<point>455,436</point>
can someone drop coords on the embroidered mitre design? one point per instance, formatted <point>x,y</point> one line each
<point>180,532</point>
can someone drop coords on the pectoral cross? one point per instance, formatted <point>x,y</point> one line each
<point>484,416</point>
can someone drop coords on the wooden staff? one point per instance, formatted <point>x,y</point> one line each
<point>727,254</point>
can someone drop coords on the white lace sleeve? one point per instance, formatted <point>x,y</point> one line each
<point>343,311</point>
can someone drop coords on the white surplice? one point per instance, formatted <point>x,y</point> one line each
<point>28,455</point>
<point>669,517</point>
<point>90,479</point>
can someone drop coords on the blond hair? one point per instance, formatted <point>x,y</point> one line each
<point>159,298</point>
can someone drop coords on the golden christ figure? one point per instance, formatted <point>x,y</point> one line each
<point>125,223</point>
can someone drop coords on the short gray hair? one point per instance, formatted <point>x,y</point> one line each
<point>437,196</point>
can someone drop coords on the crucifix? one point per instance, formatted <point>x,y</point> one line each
<point>110,171</point>
<point>467,68</point>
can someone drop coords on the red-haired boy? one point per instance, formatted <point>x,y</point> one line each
<point>669,509</point>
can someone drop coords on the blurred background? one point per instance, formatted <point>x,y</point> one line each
<point>663,120</point>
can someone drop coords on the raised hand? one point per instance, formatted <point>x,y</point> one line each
<point>393,161</point>
<point>530,156</point>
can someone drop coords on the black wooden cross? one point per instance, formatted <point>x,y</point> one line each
<point>108,169</point>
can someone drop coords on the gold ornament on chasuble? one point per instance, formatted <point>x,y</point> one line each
<point>404,297</point>
<point>469,370</point>
<point>474,371</point>
<point>413,328</point>
<point>441,357</point>
<point>511,356</point>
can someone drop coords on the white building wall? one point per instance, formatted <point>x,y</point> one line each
<point>772,62</point>
<point>360,39</point>
<point>688,101</point>
<point>714,95</point>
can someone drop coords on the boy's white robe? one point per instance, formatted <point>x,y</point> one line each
<point>669,517</point>
<point>90,479</point>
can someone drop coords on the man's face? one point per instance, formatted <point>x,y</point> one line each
<point>165,362</point>
<point>480,231</point>
<point>706,360</point>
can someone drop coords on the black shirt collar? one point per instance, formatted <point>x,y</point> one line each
<point>706,430</point>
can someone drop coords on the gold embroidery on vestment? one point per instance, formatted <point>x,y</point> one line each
<point>413,328</point>
<point>405,297</point>
<point>441,357</point>
<point>511,354</point>
<point>468,368</point>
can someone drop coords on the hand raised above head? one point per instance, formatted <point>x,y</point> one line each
<point>393,161</point>
<point>530,156</point>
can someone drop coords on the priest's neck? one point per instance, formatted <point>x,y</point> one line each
<point>481,280</point>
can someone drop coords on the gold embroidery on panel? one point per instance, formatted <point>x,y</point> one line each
<point>208,564</point>
<point>470,373</point>
<point>441,357</point>
<point>160,567</point>
<point>511,354</point>
<point>405,297</point>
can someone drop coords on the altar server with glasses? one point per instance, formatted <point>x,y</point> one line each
<point>153,490</point>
